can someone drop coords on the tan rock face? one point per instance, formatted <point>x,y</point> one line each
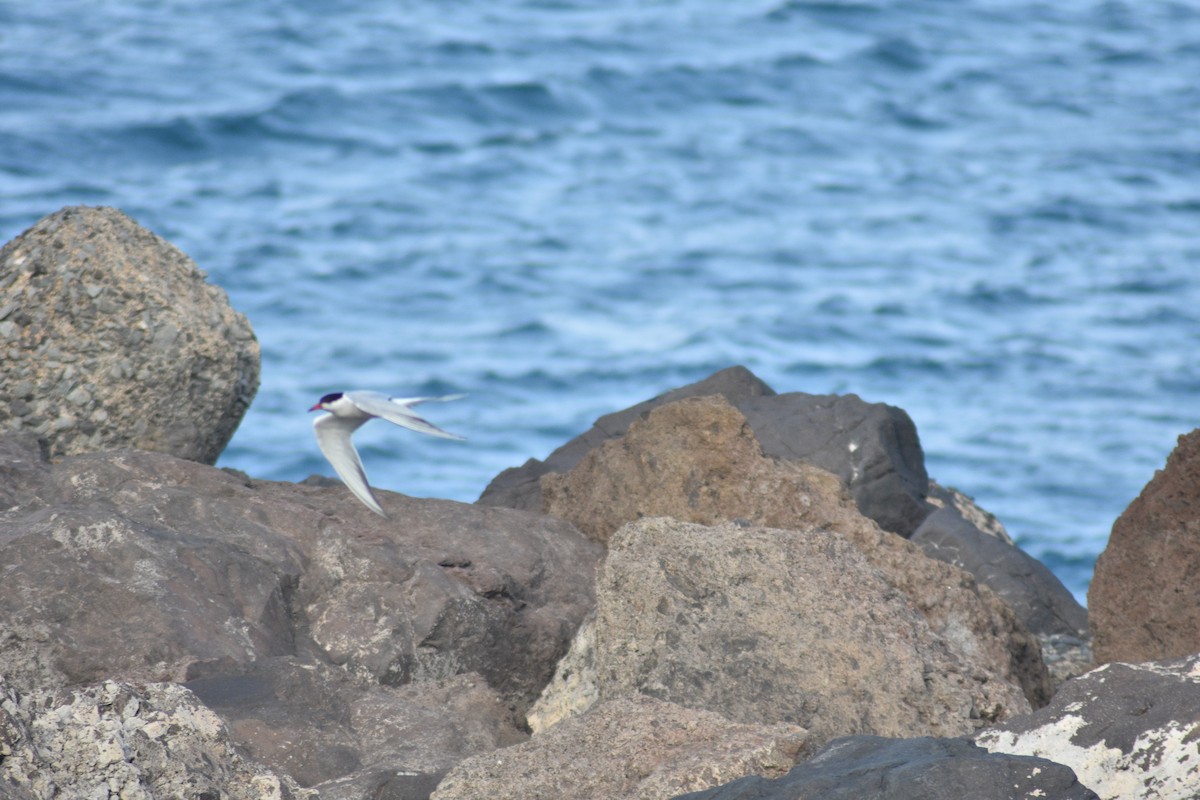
<point>1144,598</point>
<point>113,339</point>
<point>698,460</point>
<point>767,625</point>
<point>631,747</point>
<point>695,460</point>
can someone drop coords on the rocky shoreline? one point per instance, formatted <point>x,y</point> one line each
<point>722,592</point>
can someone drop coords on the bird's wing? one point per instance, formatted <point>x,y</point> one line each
<point>398,410</point>
<point>333,437</point>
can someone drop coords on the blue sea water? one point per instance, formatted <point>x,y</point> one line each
<point>985,212</point>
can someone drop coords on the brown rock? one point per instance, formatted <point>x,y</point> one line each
<point>694,460</point>
<point>631,747</point>
<point>872,447</point>
<point>115,340</point>
<point>697,460</point>
<point>518,487</point>
<point>1145,595</point>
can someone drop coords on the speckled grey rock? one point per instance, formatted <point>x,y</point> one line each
<point>765,625</point>
<point>152,742</point>
<point>874,768</point>
<point>110,337</point>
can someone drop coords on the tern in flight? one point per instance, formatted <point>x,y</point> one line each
<point>347,412</point>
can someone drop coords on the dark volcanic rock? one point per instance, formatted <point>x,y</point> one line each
<point>1145,594</point>
<point>949,497</point>
<point>1037,597</point>
<point>1130,731</point>
<point>286,601</point>
<point>874,768</point>
<point>114,339</point>
<point>872,447</point>
<point>320,724</point>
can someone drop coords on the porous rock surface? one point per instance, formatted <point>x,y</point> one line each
<point>768,625</point>
<point>630,748</point>
<point>1129,731</point>
<point>1145,595</point>
<point>112,338</point>
<point>132,742</point>
<point>698,460</point>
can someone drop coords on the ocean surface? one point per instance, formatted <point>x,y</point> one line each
<point>985,212</point>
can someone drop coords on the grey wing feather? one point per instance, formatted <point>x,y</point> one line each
<point>398,410</point>
<point>333,437</point>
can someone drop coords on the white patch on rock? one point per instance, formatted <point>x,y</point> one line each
<point>1163,764</point>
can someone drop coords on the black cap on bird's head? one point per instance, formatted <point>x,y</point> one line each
<point>326,400</point>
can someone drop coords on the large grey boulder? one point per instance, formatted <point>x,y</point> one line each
<point>698,460</point>
<point>329,639</point>
<point>112,338</point>
<point>874,768</point>
<point>766,625</point>
<point>1145,596</point>
<point>630,748</point>
<point>1129,731</point>
<point>149,742</point>
<point>132,566</point>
